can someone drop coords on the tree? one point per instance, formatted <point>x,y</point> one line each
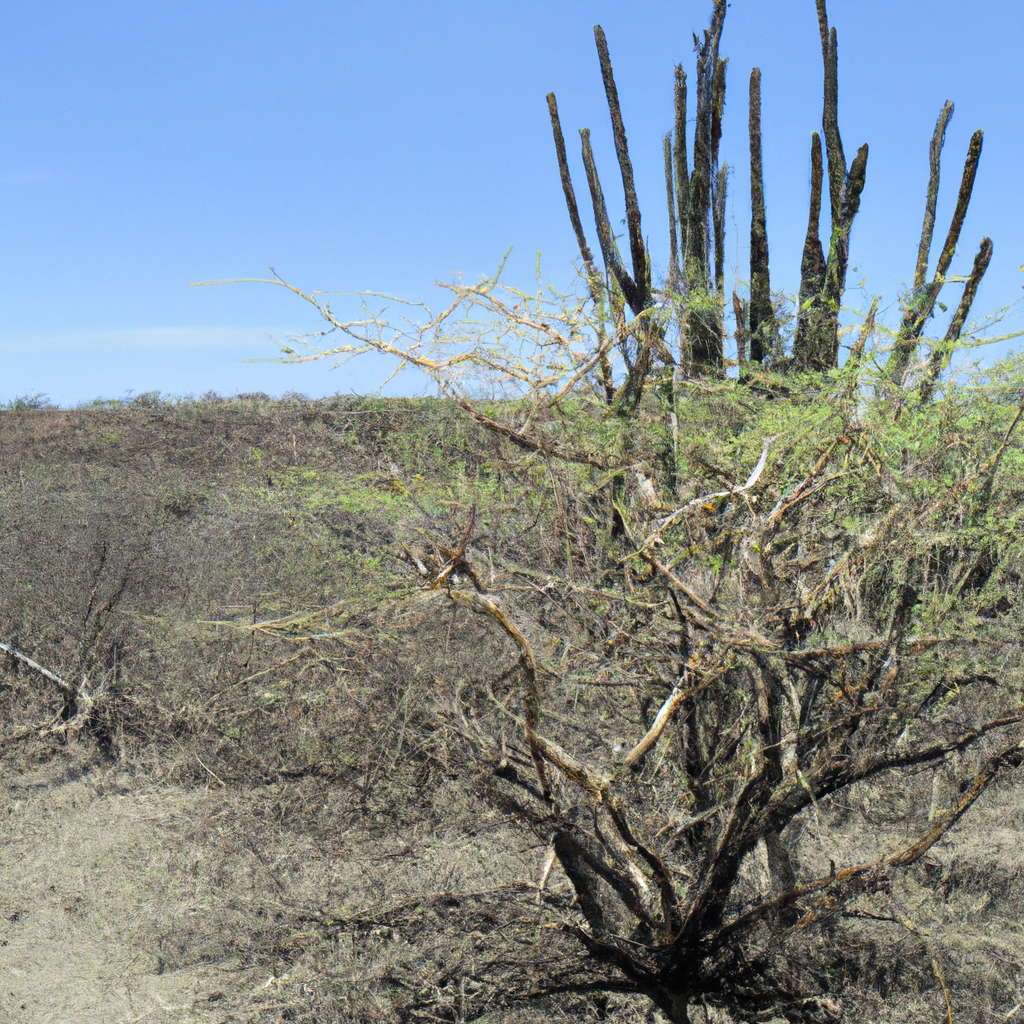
<point>787,639</point>
<point>763,599</point>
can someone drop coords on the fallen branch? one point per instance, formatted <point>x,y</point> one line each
<point>76,697</point>
<point>53,677</point>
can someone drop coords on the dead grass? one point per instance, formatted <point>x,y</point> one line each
<point>268,818</point>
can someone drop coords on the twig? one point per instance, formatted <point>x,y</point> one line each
<point>945,989</point>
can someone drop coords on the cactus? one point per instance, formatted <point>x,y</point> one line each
<point>763,329</point>
<point>696,194</point>
<point>920,305</point>
<point>823,279</point>
<point>679,161</point>
<point>940,356</point>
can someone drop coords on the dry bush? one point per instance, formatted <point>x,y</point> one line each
<point>364,740</point>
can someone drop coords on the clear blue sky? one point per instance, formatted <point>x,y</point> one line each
<point>144,146</point>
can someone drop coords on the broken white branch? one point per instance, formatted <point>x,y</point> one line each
<point>702,499</point>
<point>546,872</point>
<point>664,716</point>
<point>14,653</point>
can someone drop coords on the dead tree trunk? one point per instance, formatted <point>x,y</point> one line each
<point>920,304</point>
<point>823,278</point>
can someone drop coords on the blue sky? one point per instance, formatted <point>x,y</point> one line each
<point>382,146</point>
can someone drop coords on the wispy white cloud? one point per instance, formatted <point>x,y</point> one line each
<point>26,178</point>
<point>256,341</point>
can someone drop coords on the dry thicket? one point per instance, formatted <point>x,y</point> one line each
<point>735,660</point>
<point>772,594</point>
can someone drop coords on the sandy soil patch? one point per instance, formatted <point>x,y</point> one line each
<point>89,880</point>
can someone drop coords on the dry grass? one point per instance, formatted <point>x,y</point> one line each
<point>257,825</point>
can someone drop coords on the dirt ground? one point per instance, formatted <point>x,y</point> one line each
<point>124,898</point>
<point>86,862</point>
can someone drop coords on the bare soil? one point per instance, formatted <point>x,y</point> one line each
<point>87,862</point>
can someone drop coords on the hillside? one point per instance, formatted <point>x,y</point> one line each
<point>259,808</point>
<point>237,789</point>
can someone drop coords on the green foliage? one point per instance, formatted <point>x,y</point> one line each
<point>26,402</point>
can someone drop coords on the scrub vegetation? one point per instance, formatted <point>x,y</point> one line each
<point>437,749</point>
<point>607,684</point>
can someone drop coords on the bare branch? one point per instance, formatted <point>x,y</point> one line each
<point>25,659</point>
<point>663,717</point>
<point>675,517</point>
